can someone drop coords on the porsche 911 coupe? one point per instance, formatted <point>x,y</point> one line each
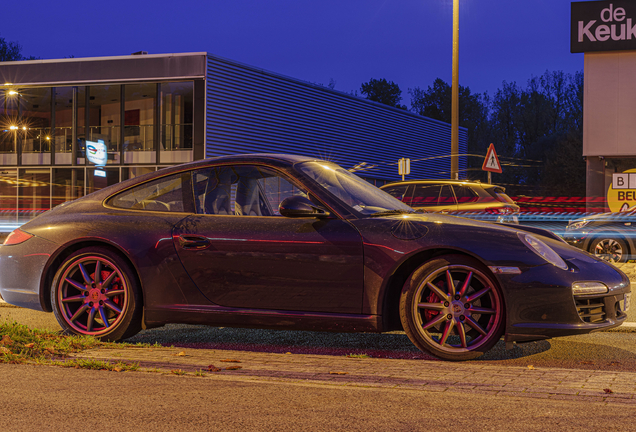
<point>290,242</point>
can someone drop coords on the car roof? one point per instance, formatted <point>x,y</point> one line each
<point>443,181</point>
<point>272,158</point>
<point>238,158</point>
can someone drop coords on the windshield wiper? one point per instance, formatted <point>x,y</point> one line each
<point>394,212</point>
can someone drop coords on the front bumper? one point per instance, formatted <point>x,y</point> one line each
<point>578,240</point>
<point>541,305</point>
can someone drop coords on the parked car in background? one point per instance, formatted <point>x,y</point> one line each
<point>610,236</point>
<point>453,196</point>
<point>292,242</point>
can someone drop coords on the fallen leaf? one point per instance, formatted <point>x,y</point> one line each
<point>30,345</point>
<point>586,362</point>
<point>233,367</point>
<point>213,368</point>
<point>181,354</point>
<point>4,350</point>
<point>6,340</point>
<point>231,361</point>
<point>338,373</point>
<point>530,367</point>
<point>117,369</point>
<point>287,353</point>
<point>608,391</point>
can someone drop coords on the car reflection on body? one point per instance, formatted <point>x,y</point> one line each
<point>290,242</point>
<point>610,236</point>
<point>471,199</point>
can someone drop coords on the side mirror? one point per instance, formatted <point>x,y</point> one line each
<point>300,207</point>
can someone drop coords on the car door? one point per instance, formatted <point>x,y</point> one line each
<point>241,253</point>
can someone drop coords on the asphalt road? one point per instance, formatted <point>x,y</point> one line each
<point>45,398</point>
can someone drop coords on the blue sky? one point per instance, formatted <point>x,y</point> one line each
<point>350,41</point>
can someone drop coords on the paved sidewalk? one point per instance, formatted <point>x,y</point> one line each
<point>420,375</point>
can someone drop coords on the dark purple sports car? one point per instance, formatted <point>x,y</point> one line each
<point>289,242</point>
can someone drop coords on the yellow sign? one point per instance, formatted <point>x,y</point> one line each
<point>621,194</point>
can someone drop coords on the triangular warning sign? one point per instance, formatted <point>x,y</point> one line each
<point>491,163</point>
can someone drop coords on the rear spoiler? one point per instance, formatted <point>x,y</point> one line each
<point>534,230</point>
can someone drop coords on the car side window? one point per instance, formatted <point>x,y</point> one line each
<point>425,195</point>
<point>400,192</point>
<point>241,190</point>
<point>465,194</point>
<point>167,194</point>
<point>446,196</point>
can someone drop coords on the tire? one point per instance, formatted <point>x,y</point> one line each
<point>457,324</point>
<point>107,307</point>
<point>610,248</point>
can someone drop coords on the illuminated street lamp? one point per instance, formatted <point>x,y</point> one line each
<point>455,95</point>
<point>14,128</point>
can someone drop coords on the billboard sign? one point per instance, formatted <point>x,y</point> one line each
<point>603,26</point>
<point>96,152</point>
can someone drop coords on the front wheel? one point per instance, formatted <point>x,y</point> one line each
<point>612,249</point>
<point>453,308</point>
<point>95,293</point>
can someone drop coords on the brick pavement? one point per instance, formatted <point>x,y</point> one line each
<point>420,375</point>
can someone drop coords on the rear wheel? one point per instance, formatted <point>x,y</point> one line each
<point>453,308</point>
<point>612,249</point>
<point>95,293</point>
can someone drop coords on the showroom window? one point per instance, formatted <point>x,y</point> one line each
<point>104,118</point>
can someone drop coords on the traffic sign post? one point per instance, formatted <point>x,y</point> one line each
<point>491,163</point>
<point>404,167</point>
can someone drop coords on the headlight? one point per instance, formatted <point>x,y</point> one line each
<point>588,288</point>
<point>577,225</point>
<point>543,250</point>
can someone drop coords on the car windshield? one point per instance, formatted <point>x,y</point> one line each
<point>352,190</point>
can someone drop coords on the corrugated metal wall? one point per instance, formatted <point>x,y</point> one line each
<point>253,111</point>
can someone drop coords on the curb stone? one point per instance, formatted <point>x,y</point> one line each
<point>415,375</point>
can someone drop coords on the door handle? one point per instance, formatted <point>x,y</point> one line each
<point>188,241</point>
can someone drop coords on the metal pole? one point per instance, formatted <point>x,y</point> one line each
<point>455,95</point>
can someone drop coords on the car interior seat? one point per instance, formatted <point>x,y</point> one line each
<point>218,194</point>
<point>248,196</point>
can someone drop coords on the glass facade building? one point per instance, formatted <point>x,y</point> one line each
<point>45,134</point>
<point>69,127</point>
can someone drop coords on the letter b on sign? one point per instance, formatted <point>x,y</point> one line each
<point>620,181</point>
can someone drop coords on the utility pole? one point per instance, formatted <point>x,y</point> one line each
<point>455,96</point>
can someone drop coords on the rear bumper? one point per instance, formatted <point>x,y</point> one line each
<point>21,268</point>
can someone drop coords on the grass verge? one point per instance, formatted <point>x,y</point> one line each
<point>19,344</point>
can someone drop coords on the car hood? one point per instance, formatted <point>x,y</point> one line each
<point>445,219</point>
<point>609,216</point>
<point>494,244</point>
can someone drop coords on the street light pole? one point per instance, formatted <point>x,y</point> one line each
<point>455,95</point>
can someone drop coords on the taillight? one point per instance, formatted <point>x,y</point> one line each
<point>17,236</point>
